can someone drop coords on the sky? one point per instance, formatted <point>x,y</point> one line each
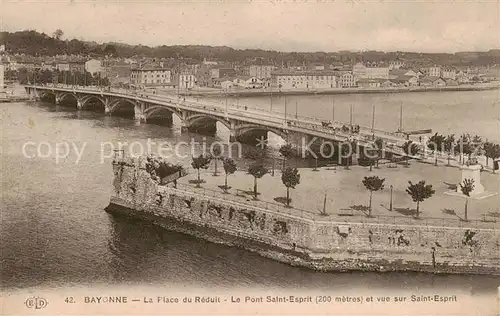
<point>301,25</point>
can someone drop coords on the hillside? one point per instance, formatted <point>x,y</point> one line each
<point>39,44</point>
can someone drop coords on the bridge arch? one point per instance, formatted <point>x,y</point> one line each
<point>121,103</point>
<point>85,101</point>
<point>46,94</point>
<point>244,129</point>
<point>123,107</point>
<point>199,118</point>
<point>63,96</point>
<point>156,110</point>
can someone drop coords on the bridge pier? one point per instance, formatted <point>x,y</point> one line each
<point>139,115</point>
<point>79,104</point>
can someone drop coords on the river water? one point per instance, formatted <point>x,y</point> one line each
<point>54,231</point>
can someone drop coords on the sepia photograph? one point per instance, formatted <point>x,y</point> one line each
<point>205,157</point>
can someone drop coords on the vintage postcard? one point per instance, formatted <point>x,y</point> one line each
<point>249,157</point>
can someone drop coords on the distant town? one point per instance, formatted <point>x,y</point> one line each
<point>83,63</point>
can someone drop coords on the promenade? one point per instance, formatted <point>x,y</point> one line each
<point>347,198</point>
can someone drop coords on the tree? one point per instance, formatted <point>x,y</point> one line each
<point>436,143</point>
<point>419,192</point>
<point>373,184</point>
<point>464,146</point>
<point>229,168</point>
<point>255,153</point>
<point>492,151</point>
<point>198,163</point>
<point>410,149</point>
<point>290,178</point>
<point>110,50</point>
<point>257,170</point>
<point>58,34</point>
<point>466,186</point>
<point>449,145</point>
<point>495,154</point>
<point>216,152</point>
<point>488,150</point>
<point>287,152</point>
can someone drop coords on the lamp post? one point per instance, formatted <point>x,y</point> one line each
<point>390,204</point>
<point>333,110</point>
<point>350,116</point>
<point>373,118</point>
<point>271,96</point>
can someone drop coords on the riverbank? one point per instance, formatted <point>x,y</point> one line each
<point>278,92</point>
<point>318,242</point>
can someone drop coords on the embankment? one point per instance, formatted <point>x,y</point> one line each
<point>315,243</point>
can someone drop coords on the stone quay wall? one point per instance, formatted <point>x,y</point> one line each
<point>319,244</point>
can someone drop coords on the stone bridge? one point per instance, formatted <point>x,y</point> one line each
<point>244,125</point>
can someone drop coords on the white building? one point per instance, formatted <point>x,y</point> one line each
<point>360,71</point>
<point>150,77</point>
<point>348,80</point>
<point>259,71</point>
<point>304,79</point>
<point>248,82</point>
<point>2,73</point>
<point>93,66</point>
<point>187,81</point>
<point>448,73</point>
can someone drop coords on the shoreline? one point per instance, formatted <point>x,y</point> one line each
<point>257,93</point>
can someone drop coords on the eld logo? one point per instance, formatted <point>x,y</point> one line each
<point>36,302</point>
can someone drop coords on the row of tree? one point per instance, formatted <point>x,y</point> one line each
<point>25,76</point>
<point>39,44</point>
<point>290,176</point>
<point>465,145</point>
<point>419,192</point>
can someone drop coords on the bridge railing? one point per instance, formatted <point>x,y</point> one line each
<point>305,122</point>
<point>339,215</point>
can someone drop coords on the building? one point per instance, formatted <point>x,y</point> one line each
<point>434,71</point>
<point>93,66</point>
<point>145,77</point>
<point>369,83</point>
<point>247,82</point>
<point>118,72</point>
<point>395,73</point>
<point>48,66</point>
<point>77,66</point>
<point>304,79</point>
<point>187,81</point>
<point>222,72</point>
<point>259,71</point>
<point>2,75</point>
<point>448,73</point>
<point>348,80</point>
<point>360,71</point>
<point>405,81</point>
<point>432,81</point>
<point>396,64</point>
<point>62,66</point>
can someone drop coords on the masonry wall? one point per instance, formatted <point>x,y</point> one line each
<point>317,244</point>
